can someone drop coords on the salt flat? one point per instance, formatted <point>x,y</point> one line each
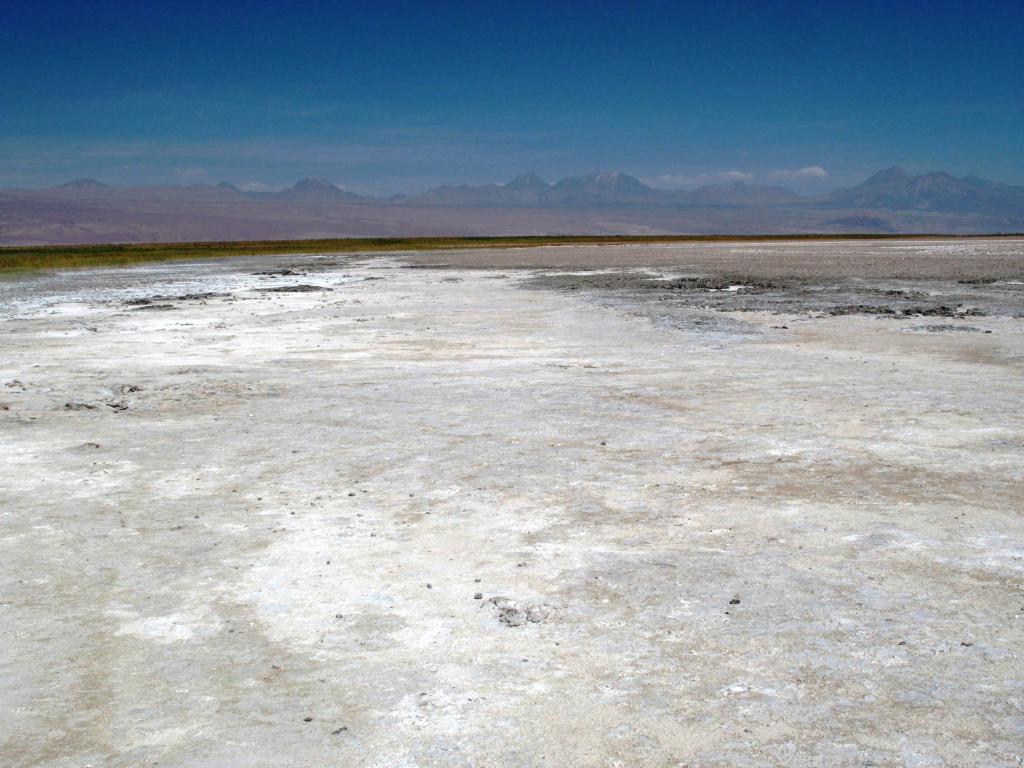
<point>463,516</point>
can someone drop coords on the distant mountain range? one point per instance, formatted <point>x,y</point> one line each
<point>896,190</point>
<point>890,190</point>
<point>312,190</point>
<point>84,184</point>
<point>598,190</point>
<point>86,210</point>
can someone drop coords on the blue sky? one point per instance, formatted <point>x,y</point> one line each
<point>387,97</point>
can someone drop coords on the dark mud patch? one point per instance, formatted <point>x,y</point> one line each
<point>645,281</point>
<point>283,272</point>
<point>197,296</point>
<point>139,308</point>
<point>942,310</point>
<point>87,447</point>
<point>666,294</point>
<point>162,301</point>
<point>945,328</point>
<point>902,293</point>
<point>715,284</point>
<point>302,288</point>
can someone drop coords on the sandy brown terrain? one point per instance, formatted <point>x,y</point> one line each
<point>330,511</point>
<point>146,215</point>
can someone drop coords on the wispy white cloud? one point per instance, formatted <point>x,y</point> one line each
<point>807,172</point>
<point>680,180</point>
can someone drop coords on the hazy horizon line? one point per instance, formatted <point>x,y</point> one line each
<point>696,182</point>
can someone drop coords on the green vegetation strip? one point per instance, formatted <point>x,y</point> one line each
<point>20,258</point>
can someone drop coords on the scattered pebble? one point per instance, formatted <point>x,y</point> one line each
<point>512,613</point>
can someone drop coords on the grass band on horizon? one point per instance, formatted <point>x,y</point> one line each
<point>19,258</point>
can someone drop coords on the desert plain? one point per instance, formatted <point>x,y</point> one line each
<point>736,504</point>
